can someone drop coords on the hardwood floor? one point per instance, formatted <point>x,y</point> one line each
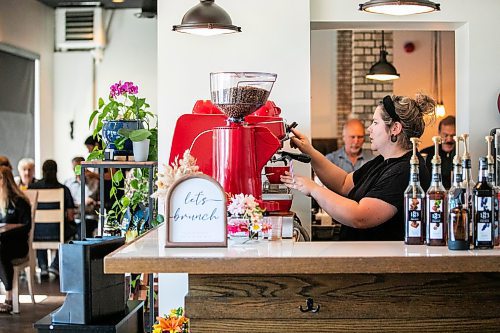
<point>48,298</point>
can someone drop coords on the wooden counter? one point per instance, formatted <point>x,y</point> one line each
<point>360,286</point>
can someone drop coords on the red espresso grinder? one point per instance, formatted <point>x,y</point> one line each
<point>236,134</point>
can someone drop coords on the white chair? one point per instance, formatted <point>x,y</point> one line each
<point>28,262</point>
<point>56,215</point>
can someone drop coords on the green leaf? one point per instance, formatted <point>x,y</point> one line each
<point>139,135</point>
<point>118,176</point>
<point>125,132</point>
<point>78,170</point>
<point>125,201</point>
<point>112,191</point>
<point>95,155</point>
<point>101,102</point>
<point>92,116</point>
<point>134,183</point>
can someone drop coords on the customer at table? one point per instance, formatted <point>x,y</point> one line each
<point>369,202</point>
<point>14,208</point>
<point>352,155</point>
<point>26,169</point>
<point>50,231</point>
<point>4,161</point>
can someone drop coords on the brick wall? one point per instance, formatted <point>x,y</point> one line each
<point>359,97</point>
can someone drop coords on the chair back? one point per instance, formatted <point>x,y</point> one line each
<point>28,261</point>
<point>32,196</point>
<point>54,214</point>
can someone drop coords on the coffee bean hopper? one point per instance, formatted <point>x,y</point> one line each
<point>234,135</point>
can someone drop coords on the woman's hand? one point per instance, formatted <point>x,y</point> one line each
<point>298,183</point>
<point>301,142</point>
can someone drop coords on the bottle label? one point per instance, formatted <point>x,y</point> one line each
<point>484,216</point>
<point>458,178</point>
<point>436,177</point>
<point>466,164</point>
<point>414,177</point>
<point>436,219</point>
<point>414,217</point>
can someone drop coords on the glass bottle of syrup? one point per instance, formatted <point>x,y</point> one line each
<point>483,209</point>
<point>468,183</point>
<point>414,203</point>
<point>496,189</point>
<point>436,202</point>
<point>458,215</point>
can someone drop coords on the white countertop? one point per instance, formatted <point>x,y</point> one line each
<point>148,254</point>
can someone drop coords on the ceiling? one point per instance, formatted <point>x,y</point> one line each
<point>108,4</point>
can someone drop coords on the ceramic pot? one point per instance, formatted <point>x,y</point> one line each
<point>141,150</point>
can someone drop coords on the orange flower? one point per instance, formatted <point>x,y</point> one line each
<point>170,325</point>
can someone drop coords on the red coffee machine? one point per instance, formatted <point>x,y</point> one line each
<point>233,137</point>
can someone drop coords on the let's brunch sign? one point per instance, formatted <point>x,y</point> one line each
<point>196,213</point>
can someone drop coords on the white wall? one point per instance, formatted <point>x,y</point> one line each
<point>477,50</point>
<point>130,55</point>
<point>324,83</point>
<point>29,25</point>
<point>275,38</point>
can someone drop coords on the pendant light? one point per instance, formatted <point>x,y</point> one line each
<point>206,19</point>
<point>401,7</point>
<point>382,70</point>
<point>438,76</point>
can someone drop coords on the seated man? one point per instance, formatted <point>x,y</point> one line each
<point>50,232</point>
<point>352,156</point>
<point>446,130</point>
<point>91,187</point>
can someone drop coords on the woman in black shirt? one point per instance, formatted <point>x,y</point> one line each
<point>14,208</point>
<point>369,201</point>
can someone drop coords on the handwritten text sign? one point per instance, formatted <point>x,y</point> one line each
<point>196,213</point>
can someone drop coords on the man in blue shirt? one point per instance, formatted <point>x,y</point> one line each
<point>352,155</point>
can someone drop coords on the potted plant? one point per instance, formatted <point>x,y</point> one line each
<point>124,112</point>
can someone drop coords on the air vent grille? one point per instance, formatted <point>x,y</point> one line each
<point>79,25</point>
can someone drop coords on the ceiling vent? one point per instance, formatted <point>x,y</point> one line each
<point>79,28</point>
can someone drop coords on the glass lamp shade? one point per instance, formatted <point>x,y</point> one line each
<point>206,19</point>
<point>440,110</point>
<point>382,70</point>
<point>399,8</point>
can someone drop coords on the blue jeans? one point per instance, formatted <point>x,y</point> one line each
<point>42,257</point>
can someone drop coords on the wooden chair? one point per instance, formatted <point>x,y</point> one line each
<point>52,215</point>
<point>28,262</point>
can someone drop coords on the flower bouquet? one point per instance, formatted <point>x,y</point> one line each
<point>246,217</point>
<point>174,322</point>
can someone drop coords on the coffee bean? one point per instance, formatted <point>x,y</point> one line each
<point>239,102</point>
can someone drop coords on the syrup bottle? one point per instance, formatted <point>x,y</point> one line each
<point>496,189</point>
<point>458,215</point>
<point>414,203</point>
<point>436,202</point>
<point>483,209</point>
<point>468,184</point>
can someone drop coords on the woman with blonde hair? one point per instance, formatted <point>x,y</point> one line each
<point>14,208</point>
<point>26,169</point>
<point>369,201</point>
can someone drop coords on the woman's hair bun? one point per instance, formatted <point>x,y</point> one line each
<point>426,105</point>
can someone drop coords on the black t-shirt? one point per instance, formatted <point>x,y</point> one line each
<point>446,163</point>
<point>385,180</point>
<point>18,211</point>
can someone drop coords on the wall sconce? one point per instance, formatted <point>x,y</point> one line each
<point>399,7</point>
<point>382,70</point>
<point>206,19</point>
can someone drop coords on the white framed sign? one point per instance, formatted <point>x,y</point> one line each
<point>196,213</point>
